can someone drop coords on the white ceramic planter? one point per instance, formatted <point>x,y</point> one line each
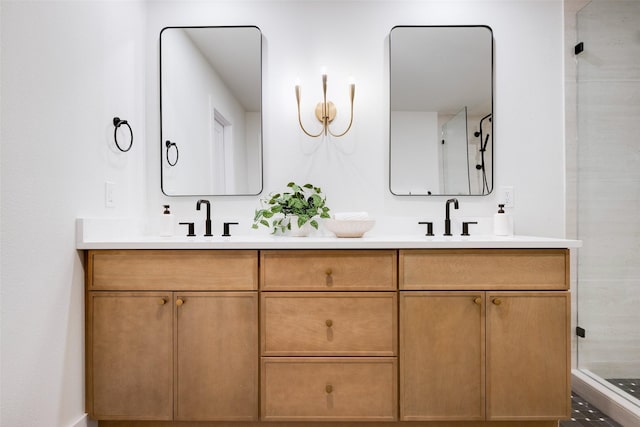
<point>296,231</point>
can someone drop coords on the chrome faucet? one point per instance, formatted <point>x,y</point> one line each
<point>207,222</point>
<point>447,219</point>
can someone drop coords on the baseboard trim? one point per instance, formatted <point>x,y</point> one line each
<point>84,421</point>
<point>615,406</point>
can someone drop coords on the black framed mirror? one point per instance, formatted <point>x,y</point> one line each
<point>211,110</point>
<point>441,110</point>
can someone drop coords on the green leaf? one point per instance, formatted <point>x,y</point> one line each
<point>306,201</point>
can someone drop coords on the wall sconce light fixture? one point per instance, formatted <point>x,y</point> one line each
<point>326,111</point>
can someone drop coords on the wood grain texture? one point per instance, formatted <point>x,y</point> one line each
<point>329,270</point>
<point>528,355</point>
<point>216,368</point>
<point>211,344</point>
<point>442,347</point>
<point>329,323</point>
<point>130,364</point>
<point>172,270</point>
<point>361,389</point>
<point>330,424</point>
<point>484,269</point>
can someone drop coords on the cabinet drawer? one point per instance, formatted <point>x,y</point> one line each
<point>317,389</point>
<point>329,323</point>
<point>328,270</point>
<point>501,269</point>
<point>174,270</point>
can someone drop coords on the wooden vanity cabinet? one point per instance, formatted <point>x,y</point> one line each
<point>471,337</point>
<point>172,355</point>
<point>492,355</point>
<point>329,335</point>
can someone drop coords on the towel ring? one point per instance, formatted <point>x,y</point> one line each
<point>117,122</point>
<point>170,144</point>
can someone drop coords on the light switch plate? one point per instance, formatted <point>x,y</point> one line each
<point>109,194</point>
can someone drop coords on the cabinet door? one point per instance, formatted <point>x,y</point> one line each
<point>441,355</point>
<point>528,364</point>
<point>129,355</point>
<point>217,356</point>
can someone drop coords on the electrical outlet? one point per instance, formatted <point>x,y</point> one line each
<point>109,194</point>
<point>506,196</point>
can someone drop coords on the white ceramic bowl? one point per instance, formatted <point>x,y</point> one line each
<point>349,228</point>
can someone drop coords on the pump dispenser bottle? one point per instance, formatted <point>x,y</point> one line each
<point>502,223</point>
<point>166,223</point>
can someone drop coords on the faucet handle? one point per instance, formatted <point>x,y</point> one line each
<point>465,227</point>
<point>191,228</point>
<point>225,228</point>
<point>429,225</point>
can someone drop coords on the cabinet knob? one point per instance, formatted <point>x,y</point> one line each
<point>179,302</point>
<point>497,301</point>
<point>162,301</point>
<point>329,323</point>
<point>328,272</point>
<point>328,388</point>
<point>477,300</point>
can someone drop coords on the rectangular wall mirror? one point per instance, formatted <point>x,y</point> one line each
<point>441,124</point>
<point>211,110</point>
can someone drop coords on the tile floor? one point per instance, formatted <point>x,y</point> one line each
<point>585,414</point>
<point>628,385</point>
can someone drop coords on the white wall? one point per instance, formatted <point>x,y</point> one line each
<point>69,67</point>
<point>301,37</point>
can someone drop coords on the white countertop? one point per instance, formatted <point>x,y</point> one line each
<point>92,235</point>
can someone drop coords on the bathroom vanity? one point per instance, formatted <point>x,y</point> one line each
<point>442,333</point>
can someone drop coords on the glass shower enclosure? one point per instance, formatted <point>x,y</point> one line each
<point>608,194</point>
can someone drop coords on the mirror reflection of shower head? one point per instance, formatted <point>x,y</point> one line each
<point>484,146</point>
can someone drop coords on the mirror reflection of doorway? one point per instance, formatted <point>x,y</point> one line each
<point>454,165</point>
<point>222,155</point>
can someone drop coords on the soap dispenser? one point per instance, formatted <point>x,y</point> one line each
<point>166,223</point>
<point>502,223</point>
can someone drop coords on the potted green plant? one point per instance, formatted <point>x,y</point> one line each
<point>302,205</point>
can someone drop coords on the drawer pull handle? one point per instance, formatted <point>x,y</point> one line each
<point>329,388</point>
<point>477,300</point>
<point>162,301</point>
<point>179,302</point>
<point>497,301</point>
<point>329,323</point>
<point>328,272</point>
